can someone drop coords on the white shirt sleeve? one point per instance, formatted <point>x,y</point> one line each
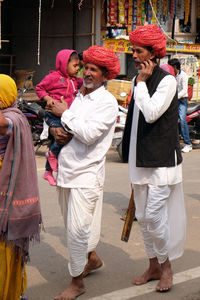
<point>183,91</point>
<point>154,107</point>
<point>90,129</point>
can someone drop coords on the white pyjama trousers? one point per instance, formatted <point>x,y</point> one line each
<point>82,210</point>
<point>162,227</point>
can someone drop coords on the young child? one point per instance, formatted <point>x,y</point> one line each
<point>60,84</point>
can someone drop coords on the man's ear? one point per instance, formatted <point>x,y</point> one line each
<point>152,55</point>
<point>105,77</point>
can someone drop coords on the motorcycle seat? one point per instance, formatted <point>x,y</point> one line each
<point>192,107</point>
<point>34,108</point>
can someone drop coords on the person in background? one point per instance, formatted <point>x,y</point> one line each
<point>59,85</point>
<point>182,83</point>
<point>91,123</point>
<point>151,146</point>
<point>20,215</point>
<point>80,72</point>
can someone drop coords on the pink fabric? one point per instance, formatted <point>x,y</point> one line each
<point>58,83</point>
<point>168,69</point>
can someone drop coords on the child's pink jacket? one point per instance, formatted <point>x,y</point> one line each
<point>58,83</point>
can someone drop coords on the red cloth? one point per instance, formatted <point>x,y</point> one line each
<point>149,36</point>
<point>103,57</point>
<point>168,69</point>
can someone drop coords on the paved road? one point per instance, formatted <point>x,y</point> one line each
<point>47,271</point>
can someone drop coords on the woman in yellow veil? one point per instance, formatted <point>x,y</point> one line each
<point>20,215</point>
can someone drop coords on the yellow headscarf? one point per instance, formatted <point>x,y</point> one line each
<point>8,95</point>
<point>8,91</point>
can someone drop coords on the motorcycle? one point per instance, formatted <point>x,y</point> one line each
<point>119,129</point>
<point>34,114</point>
<point>193,120</point>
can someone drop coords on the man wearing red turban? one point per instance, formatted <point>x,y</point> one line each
<point>89,125</point>
<point>151,147</point>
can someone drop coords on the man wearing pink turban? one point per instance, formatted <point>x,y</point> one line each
<point>151,147</point>
<point>90,122</point>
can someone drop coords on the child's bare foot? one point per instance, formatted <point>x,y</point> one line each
<point>153,273</point>
<point>75,289</point>
<point>94,263</point>
<point>166,279</point>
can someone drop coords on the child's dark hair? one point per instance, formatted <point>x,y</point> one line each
<point>74,55</point>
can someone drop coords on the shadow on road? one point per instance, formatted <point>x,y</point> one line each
<point>117,273</point>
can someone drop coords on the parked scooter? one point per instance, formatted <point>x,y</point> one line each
<point>119,129</point>
<point>34,114</point>
<point>193,120</point>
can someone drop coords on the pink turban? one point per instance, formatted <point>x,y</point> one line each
<point>149,36</point>
<point>168,68</point>
<point>103,57</point>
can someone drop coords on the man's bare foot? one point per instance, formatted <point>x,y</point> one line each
<point>75,289</point>
<point>166,279</point>
<point>153,273</point>
<point>94,263</point>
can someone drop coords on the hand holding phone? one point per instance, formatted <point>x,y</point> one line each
<point>146,71</point>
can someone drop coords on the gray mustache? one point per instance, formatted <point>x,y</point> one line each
<point>87,77</point>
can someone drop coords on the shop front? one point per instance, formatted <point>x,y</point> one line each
<point>179,20</point>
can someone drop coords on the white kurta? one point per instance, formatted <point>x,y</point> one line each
<point>91,120</point>
<point>159,188</point>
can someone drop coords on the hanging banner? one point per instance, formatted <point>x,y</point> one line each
<point>126,47</point>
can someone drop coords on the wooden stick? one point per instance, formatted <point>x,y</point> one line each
<point>129,219</point>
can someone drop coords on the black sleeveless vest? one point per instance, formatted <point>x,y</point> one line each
<point>157,142</point>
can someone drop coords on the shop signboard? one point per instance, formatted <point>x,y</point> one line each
<point>180,47</point>
<point>120,45</point>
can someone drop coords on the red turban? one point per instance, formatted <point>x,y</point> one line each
<point>103,57</point>
<point>149,36</point>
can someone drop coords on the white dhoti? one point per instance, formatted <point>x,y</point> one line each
<point>82,210</point>
<point>160,212</point>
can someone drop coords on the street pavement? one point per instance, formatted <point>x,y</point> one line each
<point>48,273</point>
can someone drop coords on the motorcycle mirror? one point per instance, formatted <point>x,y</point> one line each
<point>123,94</point>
